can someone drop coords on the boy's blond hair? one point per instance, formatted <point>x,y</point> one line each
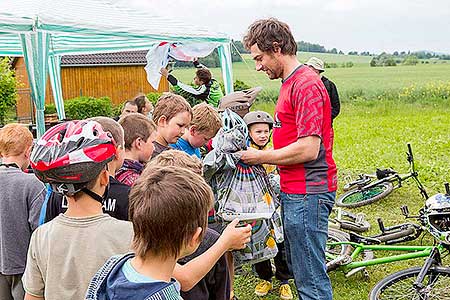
<point>169,105</point>
<point>166,207</point>
<point>206,118</point>
<point>136,125</point>
<point>177,159</point>
<point>15,139</point>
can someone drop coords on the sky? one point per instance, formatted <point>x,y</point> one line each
<point>348,25</point>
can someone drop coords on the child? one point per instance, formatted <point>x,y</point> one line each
<point>216,284</point>
<point>162,236</point>
<point>66,252</point>
<point>116,204</point>
<point>208,89</point>
<point>139,134</point>
<point>144,106</point>
<point>205,123</point>
<point>21,199</point>
<point>259,125</point>
<point>172,114</point>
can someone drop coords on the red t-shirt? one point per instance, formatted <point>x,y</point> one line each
<point>303,109</point>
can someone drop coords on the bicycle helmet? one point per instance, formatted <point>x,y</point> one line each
<point>437,212</point>
<point>71,154</point>
<point>240,101</point>
<point>231,119</point>
<point>255,117</point>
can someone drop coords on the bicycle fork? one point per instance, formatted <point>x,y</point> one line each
<point>434,259</point>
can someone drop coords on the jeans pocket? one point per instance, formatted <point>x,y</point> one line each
<point>325,205</point>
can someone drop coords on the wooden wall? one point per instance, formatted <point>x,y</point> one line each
<point>119,83</point>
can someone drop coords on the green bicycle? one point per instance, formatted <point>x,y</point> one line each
<point>431,281</point>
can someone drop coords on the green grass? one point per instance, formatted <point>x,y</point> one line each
<point>371,80</point>
<point>369,134</point>
<point>374,136</point>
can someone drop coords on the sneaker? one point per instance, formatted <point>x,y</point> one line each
<point>285,292</point>
<point>263,288</point>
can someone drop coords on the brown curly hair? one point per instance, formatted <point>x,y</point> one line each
<point>269,34</point>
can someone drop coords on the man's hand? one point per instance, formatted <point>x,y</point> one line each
<point>252,156</point>
<point>164,72</point>
<point>235,238</point>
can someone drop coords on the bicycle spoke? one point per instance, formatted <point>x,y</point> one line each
<point>364,195</point>
<point>437,287</point>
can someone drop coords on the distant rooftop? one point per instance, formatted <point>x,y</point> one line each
<point>101,59</point>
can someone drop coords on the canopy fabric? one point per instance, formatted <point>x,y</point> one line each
<point>83,27</point>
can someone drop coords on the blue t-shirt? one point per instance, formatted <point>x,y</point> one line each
<point>184,145</point>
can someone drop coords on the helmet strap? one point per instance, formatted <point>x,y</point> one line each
<point>96,196</point>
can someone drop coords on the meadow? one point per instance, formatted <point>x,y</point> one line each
<point>370,132</point>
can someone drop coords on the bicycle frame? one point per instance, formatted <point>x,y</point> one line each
<point>396,179</point>
<point>413,252</point>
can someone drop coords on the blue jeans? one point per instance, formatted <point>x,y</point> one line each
<point>305,221</point>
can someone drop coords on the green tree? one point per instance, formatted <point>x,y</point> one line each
<point>411,60</point>
<point>8,89</point>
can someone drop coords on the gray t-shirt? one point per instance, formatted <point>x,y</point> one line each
<point>21,198</point>
<point>66,252</point>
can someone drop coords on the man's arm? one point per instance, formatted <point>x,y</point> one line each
<point>192,272</point>
<point>303,150</point>
<point>334,99</point>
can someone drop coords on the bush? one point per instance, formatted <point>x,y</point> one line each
<point>330,65</point>
<point>8,89</point>
<point>238,85</point>
<point>50,109</point>
<point>153,97</point>
<point>269,96</point>
<point>87,107</point>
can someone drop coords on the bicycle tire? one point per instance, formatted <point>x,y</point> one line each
<point>396,235</point>
<point>400,285</point>
<point>334,236</point>
<point>358,197</point>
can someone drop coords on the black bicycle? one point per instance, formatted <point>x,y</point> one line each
<point>432,280</point>
<point>368,188</point>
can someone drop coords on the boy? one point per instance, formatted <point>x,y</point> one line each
<point>116,204</point>
<point>128,107</point>
<point>260,125</point>
<point>66,252</point>
<point>139,134</point>
<point>172,114</point>
<point>162,236</point>
<point>21,199</point>
<point>216,284</point>
<point>205,123</point>
<point>208,89</point>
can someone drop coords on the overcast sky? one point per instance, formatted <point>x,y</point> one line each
<point>361,25</point>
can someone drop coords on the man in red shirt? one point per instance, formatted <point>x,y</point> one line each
<point>302,150</point>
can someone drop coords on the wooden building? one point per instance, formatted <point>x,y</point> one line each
<point>120,76</point>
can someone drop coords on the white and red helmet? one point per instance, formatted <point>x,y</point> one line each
<point>71,154</point>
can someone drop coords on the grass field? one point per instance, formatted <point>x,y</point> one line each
<point>376,136</point>
<point>371,134</point>
<point>361,77</point>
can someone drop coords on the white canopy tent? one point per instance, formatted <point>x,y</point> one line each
<point>42,31</point>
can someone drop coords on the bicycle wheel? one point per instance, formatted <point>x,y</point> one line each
<point>335,236</point>
<point>360,197</point>
<point>400,285</point>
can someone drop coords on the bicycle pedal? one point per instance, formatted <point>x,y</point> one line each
<point>356,270</point>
